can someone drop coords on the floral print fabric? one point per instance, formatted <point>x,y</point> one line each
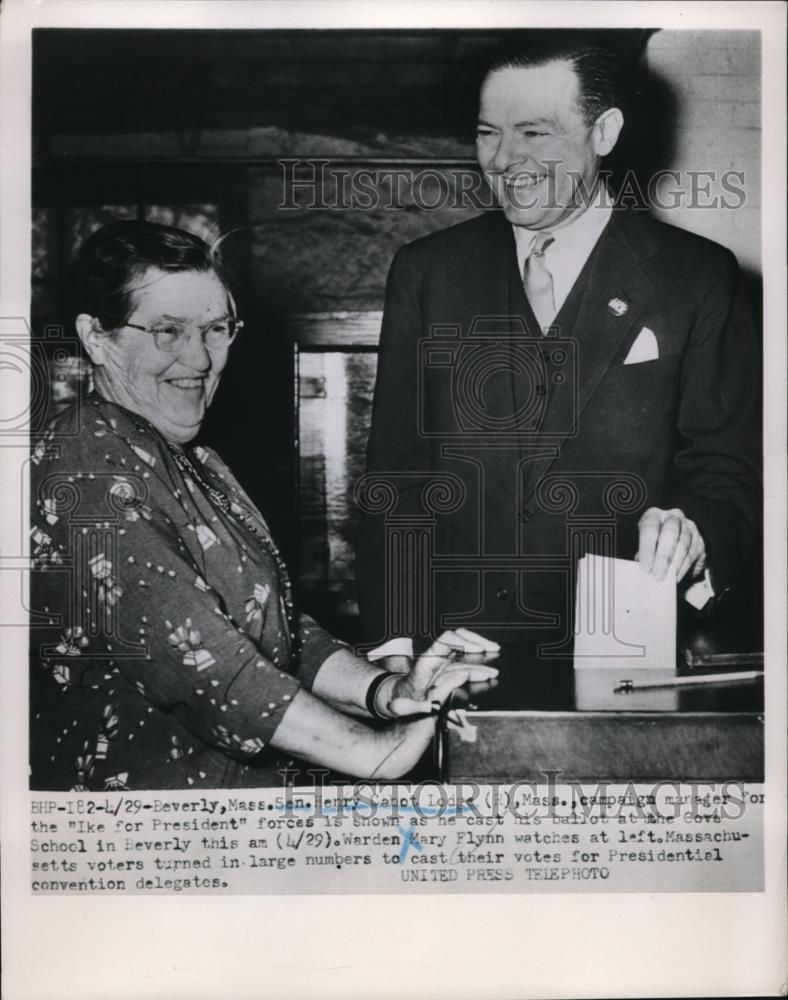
<point>161,651</point>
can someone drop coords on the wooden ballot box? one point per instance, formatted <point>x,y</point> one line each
<point>545,718</point>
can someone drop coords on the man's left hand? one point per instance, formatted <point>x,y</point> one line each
<point>669,538</point>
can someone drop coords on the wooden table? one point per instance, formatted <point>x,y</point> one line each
<point>546,718</point>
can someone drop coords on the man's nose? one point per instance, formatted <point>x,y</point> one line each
<point>511,149</point>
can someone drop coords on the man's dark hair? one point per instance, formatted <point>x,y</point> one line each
<point>598,67</point>
<point>109,262</point>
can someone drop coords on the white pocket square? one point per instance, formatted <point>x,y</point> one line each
<point>644,349</point>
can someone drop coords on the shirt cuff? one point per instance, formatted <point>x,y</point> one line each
<point>394,647</point>
<point>700,593</point>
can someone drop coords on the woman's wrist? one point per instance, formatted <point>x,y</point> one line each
<point>343,681</point>
<point>399,747</point>
<point>379,695</point>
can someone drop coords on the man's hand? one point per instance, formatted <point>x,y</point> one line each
<point>668,538</point>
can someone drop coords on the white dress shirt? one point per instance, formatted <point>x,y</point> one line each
<point>572,244</point>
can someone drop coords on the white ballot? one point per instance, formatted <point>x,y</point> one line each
<point>624,618</point>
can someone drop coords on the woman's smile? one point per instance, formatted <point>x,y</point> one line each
<point>171,388</point>
<point>187,383</point>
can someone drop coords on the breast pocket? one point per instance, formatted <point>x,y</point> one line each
<point>649,377</point>
<point>634,404</point>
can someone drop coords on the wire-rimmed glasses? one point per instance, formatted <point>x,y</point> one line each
<point>170,336</point>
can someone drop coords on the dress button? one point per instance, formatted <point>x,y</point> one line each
<point>502,593</point>
<point>527,514</point>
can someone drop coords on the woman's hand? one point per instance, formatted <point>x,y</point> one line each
<point>456,657</point>
<point>314,730</point>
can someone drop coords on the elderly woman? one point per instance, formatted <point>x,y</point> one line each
<point>166,650</point>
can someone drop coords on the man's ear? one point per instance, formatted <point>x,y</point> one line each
<point>606,131</point>
<point>92,337</point>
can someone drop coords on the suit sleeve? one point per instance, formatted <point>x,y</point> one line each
<point>718,462</point>
<point>397,454</point>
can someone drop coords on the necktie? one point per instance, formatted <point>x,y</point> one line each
<point>538,281</point>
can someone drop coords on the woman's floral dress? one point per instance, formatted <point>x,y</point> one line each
<point>164,650</point>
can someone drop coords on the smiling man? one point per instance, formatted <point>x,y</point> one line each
<point>578,377</point>
<point>537,143</point>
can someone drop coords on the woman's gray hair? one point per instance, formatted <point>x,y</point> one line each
<point>107,265</point>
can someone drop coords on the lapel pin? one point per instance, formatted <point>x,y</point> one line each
<point>617,306</point>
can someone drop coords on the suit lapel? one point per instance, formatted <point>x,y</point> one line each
<point>486,277</point>
<point>496,307</point>
<point>614,277</point>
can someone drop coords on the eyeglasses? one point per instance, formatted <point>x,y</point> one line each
<point>171,337</point>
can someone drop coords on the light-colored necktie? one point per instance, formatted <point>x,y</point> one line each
<point>538,281</point>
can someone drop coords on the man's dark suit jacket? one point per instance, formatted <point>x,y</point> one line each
<point>510,453</point>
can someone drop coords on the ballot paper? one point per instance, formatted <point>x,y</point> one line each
<point>624,618</point>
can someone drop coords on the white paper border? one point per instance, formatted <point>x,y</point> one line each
<point>468,946</point>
